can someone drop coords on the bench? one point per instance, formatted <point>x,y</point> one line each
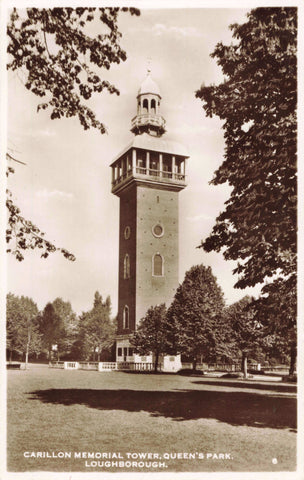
<point>14,366</point>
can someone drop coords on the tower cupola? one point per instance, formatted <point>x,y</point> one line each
<point>148,118</point>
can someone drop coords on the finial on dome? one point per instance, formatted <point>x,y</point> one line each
<point>149,61</point>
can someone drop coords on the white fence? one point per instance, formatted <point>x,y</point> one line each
<point>104,366</point>
<point>142,366</point>
<point>107,366</point>
<point>227,367</point>
<point>213,366</point>
<point>56,364</point>
<point>138,366</point>
<point>65,365</point>
<point>88,365</point>
<point>71,365</point>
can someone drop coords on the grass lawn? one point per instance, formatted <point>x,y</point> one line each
<point>185,421</point>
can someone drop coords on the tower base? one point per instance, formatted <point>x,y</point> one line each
<point>125,353</point>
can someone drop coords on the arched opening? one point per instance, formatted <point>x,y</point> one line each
<point>126,323</point>
<point>157,265</point>
<point>153,106</point>
<point>126,266</point>
<point>145,106</point>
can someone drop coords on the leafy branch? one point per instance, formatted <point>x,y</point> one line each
<point>51,61</point>
<point>24,233</point>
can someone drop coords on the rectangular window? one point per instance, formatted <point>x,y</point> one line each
<point>119,352</point>
<point>125,351</point>
<point>124,165</point>
<point>141,164</point>
<point>154,164</point>
<point>130,352</point>
<point>167,166</point>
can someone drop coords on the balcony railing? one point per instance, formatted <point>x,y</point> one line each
<point>151,172</point>
<point>148,118</point>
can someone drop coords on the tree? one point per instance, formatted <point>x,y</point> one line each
<point>150,336</point>
<point>56,54</point>
<point>51,327</point>
<point>281,303</point>
<point>70,324</point>
<point>22,334</point>
<point>257,102</point>
<point>195,314</point>
<point>245,330</point>
<point>96,330</point>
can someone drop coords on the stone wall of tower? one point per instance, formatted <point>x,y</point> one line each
<point>127,287</point>
<point>141,208</point>
<point>156,206</point>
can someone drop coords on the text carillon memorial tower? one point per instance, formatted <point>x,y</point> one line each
<point>147,177</point>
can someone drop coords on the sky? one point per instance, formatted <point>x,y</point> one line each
<point>65,186</point>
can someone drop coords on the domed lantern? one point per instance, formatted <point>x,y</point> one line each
<point>148,119</point>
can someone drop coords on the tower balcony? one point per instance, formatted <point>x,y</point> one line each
<point>157,162</point>
<point>155,169</point>
<point>152,121</point>
<point>177,181</point>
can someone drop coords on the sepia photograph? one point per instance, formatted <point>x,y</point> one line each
<point>150,157</point>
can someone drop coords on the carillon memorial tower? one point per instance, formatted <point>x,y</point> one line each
<point>147,177</point>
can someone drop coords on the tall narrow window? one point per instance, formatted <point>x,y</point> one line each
<point>127,266</point>
<point>157,265</point>
<point>145,106</point>
<point>126,317</point>
<point>167,166</point>
<point>154,164</point>
<point>153,106</point>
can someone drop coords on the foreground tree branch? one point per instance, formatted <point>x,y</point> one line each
<point>51,61</point>
<point>257,102</point>
<point>22,234</point>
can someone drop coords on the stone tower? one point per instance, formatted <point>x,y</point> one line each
<point>147,177</point>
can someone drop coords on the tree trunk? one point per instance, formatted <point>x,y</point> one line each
<point>194,364</point>
<point>293,358</point>
<point>244,364</point>
<point>29,334</point>
<point>156,362</point>
<point>26,356</point>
